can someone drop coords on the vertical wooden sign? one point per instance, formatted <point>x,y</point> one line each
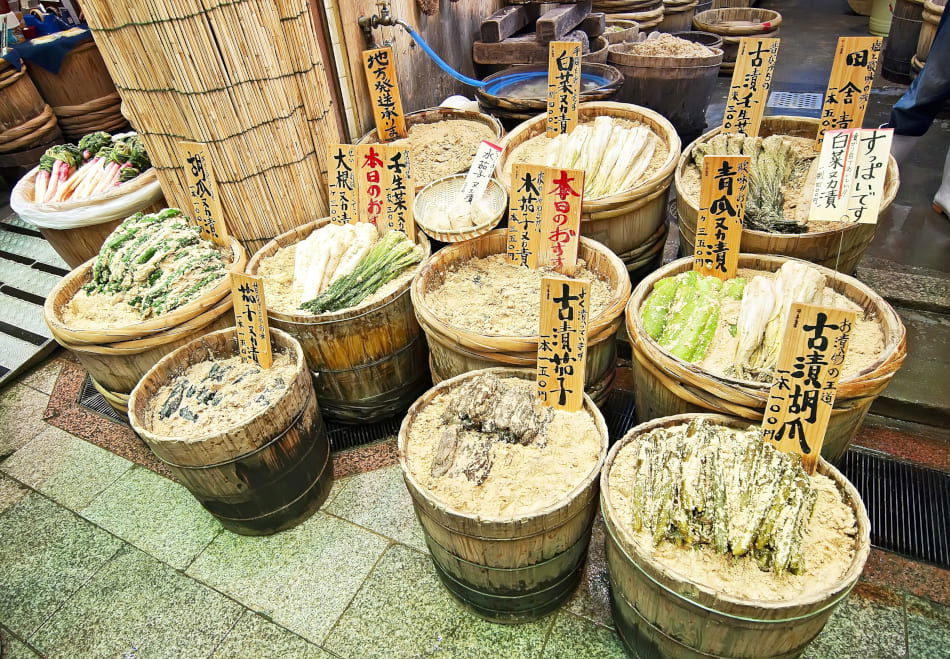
<point>481,171</point>
<point>751,82</point>
<point>722,200</point>
<point>806,379</point>
<point>849,86</point>
<point>384,93</point>
<point>834,177</point>
<point>341,178</point>
<point>250,318</point>
<point>398,191</point>
<point>369,183</point>
<point>564,86</point>
<point>867,190</point>
<point>562,342</point>
<point>203,188</point>
<point>560,233</point>
<point>524,215</point>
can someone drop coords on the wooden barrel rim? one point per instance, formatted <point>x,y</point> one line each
<point>708,21</point>
<point>437,114</point>
<point>620,57</point>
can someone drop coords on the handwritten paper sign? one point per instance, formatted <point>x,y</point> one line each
<point>341,162</point>
<point>203,188</point>
<point>849,86</point>
<point>250,317</point>
<point>524,215</point>
<point>751,82</point>
<point>833,180</point>
<point>806,379</point>
<point>564,86</point>
<point>867,190</point>
<point>722,198</point>
<point>480,173</point>
<point>562,342</point>
<point>398,191</point>
<point>560,235</point>
<point>384,93</point>
<point>369,183</point>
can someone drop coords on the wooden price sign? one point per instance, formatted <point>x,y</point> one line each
<point>560,233</point>
<point>524,214</point>
<point>722,200</point>
<point>399,191</point>
<point>564,86</point>
<point>250,317</point>
<point>341,159</point>
<point>751,82</point>
<point>203,188</point>
<point>384,92</point>
<point>849,86</point>
<point>806,379</point>
<point>849,182</point>
<point>480,173</point>
<point>562,342</point>
<point>370,168</point>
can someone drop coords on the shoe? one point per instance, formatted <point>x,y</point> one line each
<point>941,200</point>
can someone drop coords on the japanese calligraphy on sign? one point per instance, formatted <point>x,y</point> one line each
<point>524,215</point>
<point>250,319</point>
<point>480,173</point>
<point>849,182</point>
<point>384,93</point>
<point>806,379</point>
<point>560,233</point>
<point>370,168</point>
<point>751,82</point>
<point>562,342</point>
<point>341,178</point>
<point>398,191</point>
<point>849,86</point>
<point>722,198</point>
<point>203,188</point>
<point>867,189</point>
<point>564,86</point>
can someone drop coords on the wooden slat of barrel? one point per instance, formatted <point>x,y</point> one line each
<point>933,11</point>
<point>20,101</point>
<point>82,77</point>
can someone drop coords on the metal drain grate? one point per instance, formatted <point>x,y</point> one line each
<point>909,506</point>
<point>795,100</point>
<point>619,414</point>
<point>93,400</point>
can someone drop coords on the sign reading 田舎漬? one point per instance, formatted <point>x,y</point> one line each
<point>562,342</point>
<point>203,188</point>
<point>722,200</point>
<point>751,82</point>
<point>341,180</point>
<point>384,93</point>
<point>564,86</point>
<point>560,235</point>
<point>849,86</point>
<point>250,319</point>
<point>398,191</point>
<point>849,181</point>
<point>524,214</point>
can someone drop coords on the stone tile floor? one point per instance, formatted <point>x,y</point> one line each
<point>101,557</point>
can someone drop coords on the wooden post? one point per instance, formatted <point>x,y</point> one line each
<point>562,342</point>
<point>722,200</point>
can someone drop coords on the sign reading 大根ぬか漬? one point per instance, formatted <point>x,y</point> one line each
<point>561,199</point>
<point>722,200</point>
<point>250,319</point>
<point>751,82</point>
<point>849,86</point>
<point>562,342</point>
<point>564,86</point>
<point>524,214</point>
<point>384,93</point>
<point>341,179</point>
<point>203,189</point>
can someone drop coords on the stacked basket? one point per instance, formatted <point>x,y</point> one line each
<point>28,125</point>
<point>677,15</point>
<point>648,13</point>
<point>735,23</point>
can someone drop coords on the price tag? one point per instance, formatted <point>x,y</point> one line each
<point>480,173</point>
<point>384,93</point>
<point>867,190</point>
<point>524,215</point>
<point>803,390</point>
<point>564,86</point>
<point>722,198</point>
<point>203,188</point>
<point>250,317</point>
<point>849,86</point>
<point>834,178</point>
<point>370,169</point>
<point>560,234</point>
<point>562,342</point>
<point>398,191</point>
<point>751,82</point>
<point>341,159</point>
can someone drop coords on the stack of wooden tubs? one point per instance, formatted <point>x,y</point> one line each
<point>28,125</point>
<point>677,15</point>
<point>648,13</point>
<point>734,23</point>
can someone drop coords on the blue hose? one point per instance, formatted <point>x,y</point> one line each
<point>465,80</point>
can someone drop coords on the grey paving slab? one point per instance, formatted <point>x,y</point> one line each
<point>254,636</point>
<point>24,315</point>
<point>26,278</point>
<point>21,415</point>
<point>928,629</point>
<point>870,623</point>
<point>575,637</point>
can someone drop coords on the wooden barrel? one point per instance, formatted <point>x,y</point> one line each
<point>902,39</point>
<point>599,47</point>
<point>677,15</point>
<point>734,23</point>
<point>930,19</point>
<point>628,31</point>
<point>840,248</point>
<point>660,614</point>
<point>665,385</point>
<point>708,39</point>
<point>455,350</point>
<point>264,475</point>
<point>369,362</point>
<point>20,101</point>
<point>514,569</point>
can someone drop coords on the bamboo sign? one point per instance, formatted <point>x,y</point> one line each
<point>524,215</point>
<point>203,188</point>
<point>250,318</point>
<point>564,86</point>
<point>849,86</point>
<point>399,191</point>
<point>560,233</point>
<point>369,183</point>
<point>849,183</point>
<point>384,93</point>
<point>562,342</point>
<point>751,82</point>
<point>722,200</point>
<point>341,159</point>
<point>806,379</point>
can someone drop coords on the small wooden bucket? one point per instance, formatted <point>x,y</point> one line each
<point>734,23</point>
<point>455,350</point>
<point>658,613</point>
<point>368,363</point>
<point>665,385</point>
<point>265,475</point>
<point>627,32</point>
<point>508,570</point>
<point>677,16</point>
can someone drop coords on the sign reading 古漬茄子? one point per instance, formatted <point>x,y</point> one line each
<point>560,236</point>
<point>250,319</point>
<point>341,180</point>
<point>384,93</point>
<point>849,86</point>
<point>849,181</point>
<point>564,86</point>
<point>524,214</point>
<point>722,200</point>
<point>562,342</point>
<point>203,189</point>
<point>751,82</point>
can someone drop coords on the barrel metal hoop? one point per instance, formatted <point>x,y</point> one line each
<point>558,584</point>
<point>372,309</point>
<point>403,349</point>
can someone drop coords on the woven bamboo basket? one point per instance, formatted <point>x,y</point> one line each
<point>369,362</point>
<point>839,248</point>
<point>455,350</point>
<point>736,22</point>
<point>445,191</point>
<point>655,607</point>
<point>933,11</point>
<point>628,31</point>
<point>262,475</point>
<point>624,221</point>
<point>508,570</point>
<point>665,385</point>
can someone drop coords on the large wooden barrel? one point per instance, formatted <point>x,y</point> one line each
<point>933,11</point>
<point>261,476</point>
<point>455,350</point>
<point>514,569</point>
<point>661,614</point>
<point>369,362</point>
<point>734,23</point>
<point>902,39</point>
<point>677,15</point>
<point>665,385</point>
<point>840,248</point>
<point>21,101</point>
<point>625,31</point>
<point>26,121</point>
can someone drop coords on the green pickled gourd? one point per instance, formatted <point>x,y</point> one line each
<point>657,306</point>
